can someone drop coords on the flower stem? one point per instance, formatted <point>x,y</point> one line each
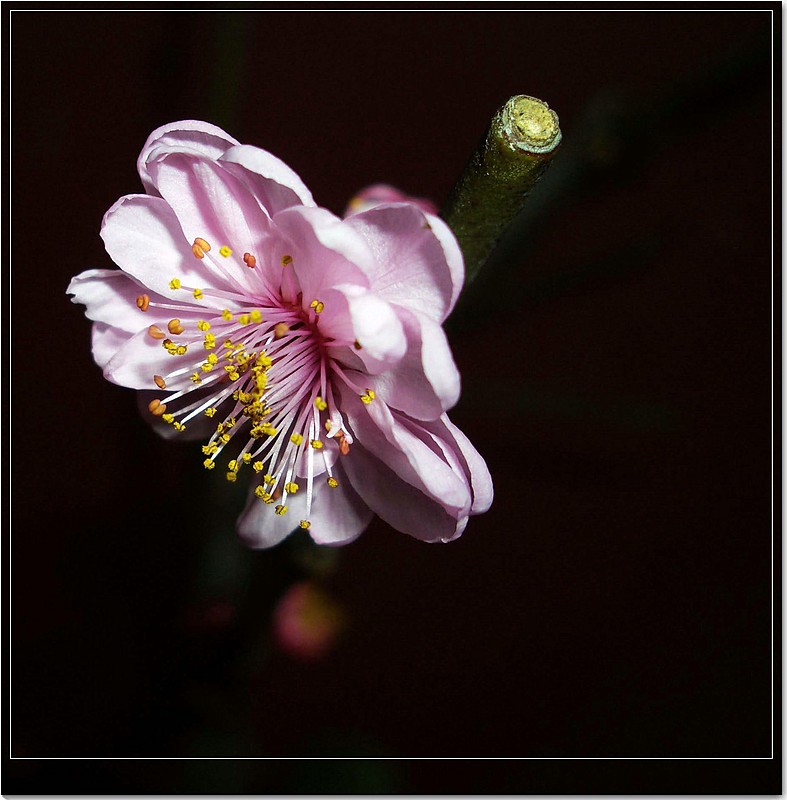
<point>516,150</point>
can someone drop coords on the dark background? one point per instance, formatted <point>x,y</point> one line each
<point>616,359</point>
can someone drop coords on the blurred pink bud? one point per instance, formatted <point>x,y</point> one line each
<point>306,622</point>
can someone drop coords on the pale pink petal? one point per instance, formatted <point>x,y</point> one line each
<point>109,295</point>
<point>475,466</point>
<point>191,136</point>
<point>141,357</point>
<point>268,177</point>
<point>380,193</point>
<point>337,516</point>
<point>417,462</point>
<point>213,205</point>
<point>412,266</point>
<point>354,315</point>
<point>401,505</point>
<point>106,340</point>
<point>324,251</point>
<point>426,381</point>
<point>143,237</point>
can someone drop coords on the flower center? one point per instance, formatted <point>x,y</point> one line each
<point>268,365</point>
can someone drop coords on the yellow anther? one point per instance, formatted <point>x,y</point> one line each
<point>168,418</point>
<point>209,412</point>
<point>229,422</point>
<point>332,482</point>
<point>296,439</point>
<point>318,306</point>
<point>197,294</point>
<point>155,332</point>
<point>159,381</point>
<point>203,326</point>
<point>226,315</point>
<point>174,283</point>
<point>320,404</point>
<point>143,301</point>
<point>305,524</point>
<point>280,510</point>
<point>233,465</point>
<point>256,315</point>
<point>206,367</point>
<point>367,398</point>
<point>264,361</point>
<point>280,329</point>
<point>232,477</point>
<point>179,426</point>
<point>246,458</point>
<point>316,444</point>
<point>261,493</point>
<point>181,350</point>
<point>268,479</point>
<point>286,260</point>
<point>228,344</point>
<point>244,319</point>
<point>196,378</point>
<point>156,407</point>
<point>258,466</point>
<point>212,358</point>
<point>210,342</point>
<point>225,437</point>
<point>234,376</point>
<point>208,463</point>
<point>291,487</point>
<point>328,425</point>
<point>225,251</point>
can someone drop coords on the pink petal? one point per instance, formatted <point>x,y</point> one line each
<point>109,295</point>
<point>325,251</point>
<point>143,237</point>
<point>416,262</point>
<point>190,136</point>
<point>141,357</point>
<point>478,472</point>
<point>337,516</point>
<point>211,204</point>
<point>416,461</point>
<point>106,340</point>
<point>268,177</point>
<point>401,505</point>
<point>426,381</point>
<point>353,314</point>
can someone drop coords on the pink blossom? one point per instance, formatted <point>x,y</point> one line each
<point>307,350</point>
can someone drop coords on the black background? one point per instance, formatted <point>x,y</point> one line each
<point>616,359</point>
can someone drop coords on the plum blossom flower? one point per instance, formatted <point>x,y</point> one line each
<point>307,350</point>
